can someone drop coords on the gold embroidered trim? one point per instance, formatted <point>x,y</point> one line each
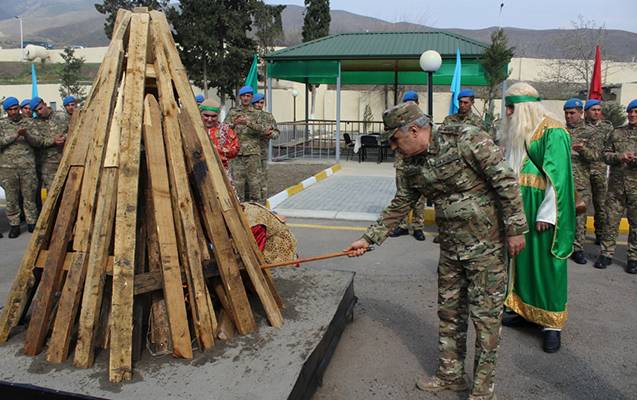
<point>547,319</point>
<point>544,125</point>
<point>533,181</point>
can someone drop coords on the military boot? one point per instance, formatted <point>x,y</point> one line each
<point>14,232</point>
<point>31,227</point>
<point>419,235</point>
<point>435,384</point>
<point>398,232</point>
<point>1,235</point>
<point>578,257</point>
<point>602,262</point>
<point>631,267</point>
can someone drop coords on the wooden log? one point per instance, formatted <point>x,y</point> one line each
<point>120,360</point>
<point>43,301</point>
<point>203,313</point>
<point>165,226</point>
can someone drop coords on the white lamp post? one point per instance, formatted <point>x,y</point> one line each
<point>295,93</point>
<point>21,37</point>
<point>430,62</point>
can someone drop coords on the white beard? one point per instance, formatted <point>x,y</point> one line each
<point>518,130</point>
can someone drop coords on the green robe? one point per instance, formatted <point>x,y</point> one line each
<point>538,279</point>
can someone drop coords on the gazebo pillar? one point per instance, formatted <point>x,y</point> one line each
<point>338,114</point>
<point>269,101</point>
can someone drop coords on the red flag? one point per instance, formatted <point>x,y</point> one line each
<point>595,91</point>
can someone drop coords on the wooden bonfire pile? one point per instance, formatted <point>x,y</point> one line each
<point>140,235</point>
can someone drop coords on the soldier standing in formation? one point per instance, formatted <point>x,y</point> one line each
<point>25,109</point>
<point>619,153</point>
<point>477,202</point>
<point>266,119</point>
<point>247,170</point>
<point>70,104</point>
<point>418,211</point>
<point>598,169</point>
<point>17,167</point>
<point>465,114</point>
<point>48,134</point>
<point>584,156</point>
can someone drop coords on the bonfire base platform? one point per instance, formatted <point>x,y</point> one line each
<point>286,363</point>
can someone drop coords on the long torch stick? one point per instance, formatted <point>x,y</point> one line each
<point>308,259</point>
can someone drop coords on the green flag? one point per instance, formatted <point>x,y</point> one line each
<point>252,79</point>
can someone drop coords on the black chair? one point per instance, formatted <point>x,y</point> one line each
<point>370,142</point>
<point>350,145</point>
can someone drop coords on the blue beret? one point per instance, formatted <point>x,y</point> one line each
<point>25,102</point>
<point>573,103</point>
<point>631,105</point>
<point>245,90</point>
<point>199,98</point>
<point>67,100</point>
<point>466,93</point>
<point>35,102</point>
<point>591,102</point>
<point>10,102</point>
<point>257,97</point>
<point>410,96</point>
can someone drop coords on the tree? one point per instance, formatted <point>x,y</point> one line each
<point>110,7</point>
<point>268,26</point>
<point>495,61</point>
<point>614,112</point>
<point>70,75</point>
<point>213,41</point>
<point>316,22</point>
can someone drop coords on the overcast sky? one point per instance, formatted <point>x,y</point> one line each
<point>474,14</point>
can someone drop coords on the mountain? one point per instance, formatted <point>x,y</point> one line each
<point>76,22</point>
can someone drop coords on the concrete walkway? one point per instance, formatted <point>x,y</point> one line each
<point>358,192</point>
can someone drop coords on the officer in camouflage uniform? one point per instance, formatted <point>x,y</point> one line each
<point>418,212</point>
<point>599,170</point>
<point>247,170</point>
<point>48,134</point>
<point>17,168</point>
<point>585,154</point>
<point>479,212</point>
<point>266,119</point>
<point>619,153</point>
<point>465,115</point>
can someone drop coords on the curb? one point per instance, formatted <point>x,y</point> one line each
<point>280,197</point>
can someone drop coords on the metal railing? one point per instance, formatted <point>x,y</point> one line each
<point>316,139</point>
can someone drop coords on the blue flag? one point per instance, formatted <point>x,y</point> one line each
<point>34,82</point>
<point>455,84</point>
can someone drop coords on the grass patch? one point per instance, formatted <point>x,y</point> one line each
<point>17,73</point>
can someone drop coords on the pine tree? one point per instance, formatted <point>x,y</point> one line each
<point>614,112</point>
<point>110,7</point>
<point>268,26</point>
<point>316,22</point>
<point>213,40</point>
<point>70,75</point>
<point>494,61</point>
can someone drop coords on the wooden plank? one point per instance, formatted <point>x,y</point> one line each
<point>165,226</point>
<point>111,158</point>
<point>102,330</point>
<point>159,329</point>
<point>240,237</point>
<point>120,360</point>
<point>203,313</point>
<point>43,301</point>
<point>217,232</point>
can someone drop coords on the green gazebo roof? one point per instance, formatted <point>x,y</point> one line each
<point>377,58</point>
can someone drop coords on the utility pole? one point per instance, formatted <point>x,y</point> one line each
<point>21,37</point>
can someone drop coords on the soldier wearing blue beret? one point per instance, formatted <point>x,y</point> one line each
<point>465,115</point>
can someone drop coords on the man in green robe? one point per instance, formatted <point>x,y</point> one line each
<point>538,148</point>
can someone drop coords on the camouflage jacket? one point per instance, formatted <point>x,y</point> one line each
<point>470,118</point>
<point>42,133</point>
<point>475,193</point>
<point>584,134</point>
<point>623,139</point>
<point>249,134</point>
<point>602,131</point>
<point>15,151</point>
<point>267,120</point>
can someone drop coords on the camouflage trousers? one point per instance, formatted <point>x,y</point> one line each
<point>264,172</point>
<point>581,178</point>
<point>618,201</point>
<point>417,212</point>
<point>47,172</point>
<point>474,288</point>
<point>599,187</point>
<point>247,175</point>
<point>18,182</point>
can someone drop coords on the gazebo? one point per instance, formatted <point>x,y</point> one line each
<point>374,58</point>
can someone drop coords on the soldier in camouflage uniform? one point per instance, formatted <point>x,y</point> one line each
<point>619,153</point>
<point>598,169</point>
<point>465,115</point>
<point>418,212</point>
<point>25,109</point>
<point>479,213</point>
<point>17,168</point>
<point>584,155</point>
<point>48,134</point>
<point>247,170</point>
<point>266,119</point>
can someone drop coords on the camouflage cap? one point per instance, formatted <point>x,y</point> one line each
<point>399,116</point>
